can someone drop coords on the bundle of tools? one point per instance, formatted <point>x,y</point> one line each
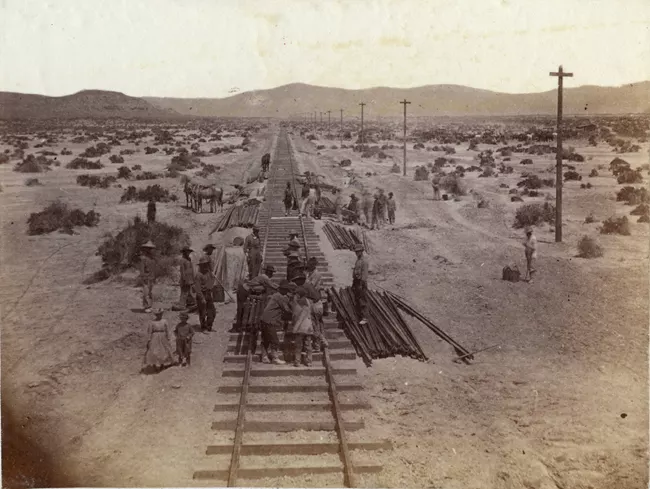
<point>343,238</point>
<point>240,215</point>
<point>386,334</point>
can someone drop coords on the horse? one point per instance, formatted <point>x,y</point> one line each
<point>266,161</point>
<point>213,195</point>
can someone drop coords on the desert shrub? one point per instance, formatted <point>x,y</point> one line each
<point>124,172</point>
<point>534,182</point>
<point>152,192</point>
<point>96,151</point>
<point>84,163</point>
<point>593,173</point>
<point>149,150</point>
<point>346,162</point>
<point>615,225</point>
<point>632,195</point>
<point>116,159</point>
<point>588,247</point>
<point>641,210</point>
<point>586,185</point>
<point>136,167</point>
<point>630,176</point>
<point>644,218</point>
<point>127,152</point>
<point>147,175</point>
<point>571,175</point>
<point>421,173</point>
<point>453,184</point>
<point>33,164</point>
<point>488,171</point>
<point>66,152</point>
<point>526,161</point>
<point>96,181</point>
<point>590,218</point>
<point>534,214</point>
<point>59,216</point>
<point>123,250</point>
<point>618,165</point>
<point>32,182</point>
<point>182,162</point>
<point>395,168</point>
<point>4,158</point>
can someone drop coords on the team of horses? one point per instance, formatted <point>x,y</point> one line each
<point>196,193</point>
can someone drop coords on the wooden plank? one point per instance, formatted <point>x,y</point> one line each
<point>262,472</point>
<point>286,406</point>
<point>274,371</point>
<point>286,426</point>
<point>287,389</point>
<point>306,448</point>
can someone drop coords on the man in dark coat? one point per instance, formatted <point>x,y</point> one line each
<point>204,285</point>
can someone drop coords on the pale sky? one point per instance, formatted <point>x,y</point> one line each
<point>210,48</point>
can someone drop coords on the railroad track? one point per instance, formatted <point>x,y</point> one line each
<point>291,422</point>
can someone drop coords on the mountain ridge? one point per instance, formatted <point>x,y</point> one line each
<point>300,99</point>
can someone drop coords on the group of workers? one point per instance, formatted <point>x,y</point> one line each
<point>372,211</point>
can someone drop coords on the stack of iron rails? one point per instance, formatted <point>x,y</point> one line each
<point>326,206</point>
<point>386,334</point>
<point>244,216</point>
<point>343,238</point>
<point>253,309</point>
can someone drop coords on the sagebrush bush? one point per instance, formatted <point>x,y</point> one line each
<point>633,196</point>
<point>116,159</point>
<point>32,164</point>
<point>615,225</point>
<point>32,182</point>
<point>641,210</point>
<point>84,163</point>
<point>630,176</point>
<point>4,158</point>
<point>453,184</point>
<point>395,168</point>
<point>59,216</point>
<point>571,175</point>
<point>533,214</point>
<point>98,181</point>
<point>590,218</point>
<point>124,172</point>
<point>588,247</point>
<point>123,251</point>
<point>593,173</point>
<point>152,192</point>
<point>534,182</point>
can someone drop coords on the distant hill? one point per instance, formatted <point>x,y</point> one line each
<point>433,100</point>
<point>92,104</point>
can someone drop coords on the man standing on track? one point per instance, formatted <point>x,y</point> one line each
<point>252,248</point>
<point>360,283</point>
<point>260,286</point>
<point>288,199</point>
<point>147,275</point>
<point>294,261</point>
<point>277,311</point>
<point>204,285</point>
<point>209,252</point>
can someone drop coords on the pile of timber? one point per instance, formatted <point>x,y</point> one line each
<point>244,216</point>
<point>343,238</point>
<point>386,334</point>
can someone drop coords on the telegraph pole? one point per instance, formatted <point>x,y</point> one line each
<point>329,120</point>
<point>361,135</point>
<point>341,131</point>
<point>558,158</point>
<point>405,103</point>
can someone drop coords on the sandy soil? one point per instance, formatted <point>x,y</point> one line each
<point>561,402</point>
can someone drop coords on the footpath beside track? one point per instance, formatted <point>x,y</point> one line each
<point>295,427</point>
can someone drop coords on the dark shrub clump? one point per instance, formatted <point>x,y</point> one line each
<point>152,192</point>
<point>59,216</point>
<point>615,225</point>
<point>533,214</point>
<point>84,163</point>
<point>96,181</point>
<point>32,182</point>
<point>588,247</point>
<point>116,159</point>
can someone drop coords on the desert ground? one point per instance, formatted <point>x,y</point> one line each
<point>560,401</point>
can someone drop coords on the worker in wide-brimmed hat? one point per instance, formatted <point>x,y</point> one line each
<point>260,286</point>
<point>530,249</point>
<point>253,251</point>
<point>208,251</point>
<point>147,274</point>
<point>360,282</point>
<point>204,287</point>
<point>186,280</point>
<point>276,312</point>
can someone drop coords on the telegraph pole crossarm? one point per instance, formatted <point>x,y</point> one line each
<point>558,157</point>
<point>405,103</point>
